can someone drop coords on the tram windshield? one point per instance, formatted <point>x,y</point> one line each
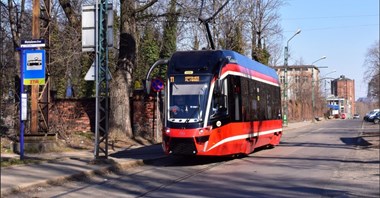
<point>188,98</point>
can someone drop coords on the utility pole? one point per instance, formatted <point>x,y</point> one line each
<point>35,87</point>
<point>101,80</point>
<point>285,91</point>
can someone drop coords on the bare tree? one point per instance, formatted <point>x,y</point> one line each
<point>15,16</point>
<point>372,73</point>
<point>300,105</point>
<point>264,25</point>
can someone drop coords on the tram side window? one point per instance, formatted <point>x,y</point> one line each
<point>245,99</point>
<point>254,90</point>
<point>273,103</point>
<point>269,101</point>
<point>278,103</point>
<point>234,91</point>
<point>219,106</point>
<point>261,101</point>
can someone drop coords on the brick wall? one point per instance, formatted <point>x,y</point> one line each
<point>66,115</point>
<point>144,121</point>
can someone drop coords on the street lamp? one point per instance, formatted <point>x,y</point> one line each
<point>312,85</point>
<point>285,94</point>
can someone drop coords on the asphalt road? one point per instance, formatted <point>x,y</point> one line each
<point>320,160</point>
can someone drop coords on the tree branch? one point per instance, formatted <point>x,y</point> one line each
<point>146,6</point>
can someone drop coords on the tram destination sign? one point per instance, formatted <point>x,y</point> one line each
<point>33,43</point>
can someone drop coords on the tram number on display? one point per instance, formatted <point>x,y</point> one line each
<point>191,78</point>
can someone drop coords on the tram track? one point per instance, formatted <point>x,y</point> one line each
<point>184,177</point>
<point>195,161</point>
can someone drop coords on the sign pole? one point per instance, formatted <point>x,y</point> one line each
<point>157,115</point>
<point>21,107</point>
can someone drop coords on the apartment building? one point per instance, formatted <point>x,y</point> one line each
<point>302,83</point>
<point>300,79</point>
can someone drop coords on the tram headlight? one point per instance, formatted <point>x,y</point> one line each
<point>167,130</point>
<point>201,131</point>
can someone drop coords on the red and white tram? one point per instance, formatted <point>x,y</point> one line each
<point>219,102</point>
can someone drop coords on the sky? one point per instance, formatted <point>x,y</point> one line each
<point>341,30</point>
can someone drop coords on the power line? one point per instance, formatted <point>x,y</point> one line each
<point>332,17</point>
<point>337,27</point>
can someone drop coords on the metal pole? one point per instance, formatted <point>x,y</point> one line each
<point>285,94</point>
<point>102,85</point>
<point>157,116</point>
<point>1,59</point>
<point>312,94</point>
<point>312,86</point>
<point>285,116</point>
<point>96,151</point>
<point>22,124</point>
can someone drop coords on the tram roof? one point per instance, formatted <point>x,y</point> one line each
<point>208,60</point>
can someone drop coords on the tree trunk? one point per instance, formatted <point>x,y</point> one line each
<point>121,85</point>
<point>119,105</point>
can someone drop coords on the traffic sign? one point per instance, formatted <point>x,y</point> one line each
<point>157,85</point>
<point>89,27</point>
<point>34,67</point>
<point>90,75</point>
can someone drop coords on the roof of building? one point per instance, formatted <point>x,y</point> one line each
<point>342,77</point>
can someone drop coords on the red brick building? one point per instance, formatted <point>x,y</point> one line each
<point>344,88</point>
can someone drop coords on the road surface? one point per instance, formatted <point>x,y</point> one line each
<point>320,160</point>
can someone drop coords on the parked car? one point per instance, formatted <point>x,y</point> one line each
<point>343,116</point>
<point>356,116</point>
<point>372,117</point>
<point>369,116</point>
<point>376,119</point>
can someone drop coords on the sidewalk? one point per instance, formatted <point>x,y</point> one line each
<point>69,165</point>
<point>61,166</point>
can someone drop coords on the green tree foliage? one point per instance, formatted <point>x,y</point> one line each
<point>233,38</point>
<point>237,43</point>
<point>148,52</point>
<point>261,55</point>
<point>169,40</point>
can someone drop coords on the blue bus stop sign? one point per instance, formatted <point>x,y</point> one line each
<point>157,85</point>
<point>34,67</point>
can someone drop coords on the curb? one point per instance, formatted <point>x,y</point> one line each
<point>113,167</point>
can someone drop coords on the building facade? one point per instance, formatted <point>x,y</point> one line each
<point>302,84</point>
<point>300,78</point>
<point>343,90</point>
